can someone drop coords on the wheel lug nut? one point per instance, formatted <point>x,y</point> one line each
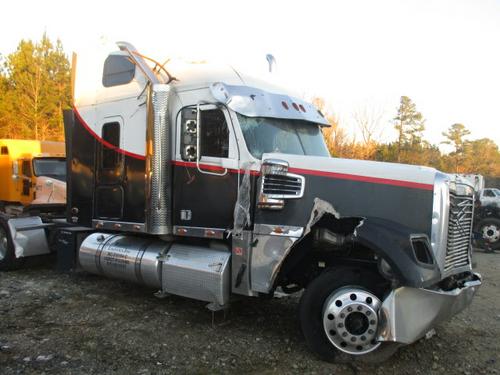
<point>363,338</point>
<point>340,325</point>
<point>344,334</point>
<point>349,309</point>
<point>342,315</point>
<point>370,331</point>
<point>368,312</point>
<point>360,308</point>
<point>353,339</point>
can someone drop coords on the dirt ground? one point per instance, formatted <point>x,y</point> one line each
<point>77,323</point>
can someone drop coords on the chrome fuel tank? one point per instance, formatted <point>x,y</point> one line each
<point>123,257</point>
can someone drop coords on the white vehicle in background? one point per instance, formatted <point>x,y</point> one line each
<point>490,196</point>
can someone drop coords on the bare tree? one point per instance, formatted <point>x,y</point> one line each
<point>368,119</point>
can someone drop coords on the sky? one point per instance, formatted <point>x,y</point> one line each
<point>443,54</point>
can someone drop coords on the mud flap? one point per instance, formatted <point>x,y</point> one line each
<point>28,236</point>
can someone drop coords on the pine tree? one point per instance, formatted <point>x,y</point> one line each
<point>410,125</point>
<point>38,77</point>
<point>455,137</point>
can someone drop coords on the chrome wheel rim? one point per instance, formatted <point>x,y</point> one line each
<point>491,233</point>
<point>4,243</point>
<point>350,320</point>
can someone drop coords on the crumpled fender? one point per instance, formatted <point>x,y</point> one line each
<point>391,241</point>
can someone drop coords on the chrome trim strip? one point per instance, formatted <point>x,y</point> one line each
<point>216,233</point>
<point>278,230</point>
<point>121,226</point>
<point>440,217</point>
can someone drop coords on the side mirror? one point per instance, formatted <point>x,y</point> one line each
<point>15,170</point>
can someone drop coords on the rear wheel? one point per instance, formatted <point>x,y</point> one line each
<point>339,316</point>
<point>8,260</point>
<point>489,230</point>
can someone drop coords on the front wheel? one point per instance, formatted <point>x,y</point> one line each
<point>339,316</point>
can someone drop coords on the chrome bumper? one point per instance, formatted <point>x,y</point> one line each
<point>408,313</point>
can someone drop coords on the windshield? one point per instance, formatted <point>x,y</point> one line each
<point>267,135</point>
<point>50,167</point>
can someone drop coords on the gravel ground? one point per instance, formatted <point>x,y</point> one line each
<point>52,323</point>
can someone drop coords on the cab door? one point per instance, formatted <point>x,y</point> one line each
<point>205,189</point>
<point>24,180</point>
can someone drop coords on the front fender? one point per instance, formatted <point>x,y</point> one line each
<point>391,241</point>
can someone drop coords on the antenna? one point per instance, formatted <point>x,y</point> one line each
<point>271,61</point>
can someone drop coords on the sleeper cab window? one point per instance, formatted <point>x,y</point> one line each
<point>110,157</point>
<point>118,70</point>
<point>5,150</point>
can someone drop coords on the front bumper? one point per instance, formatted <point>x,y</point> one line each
<point>408,313</point>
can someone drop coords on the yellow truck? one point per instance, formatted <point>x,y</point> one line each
<point>31,172</point>
<point>32,192</point>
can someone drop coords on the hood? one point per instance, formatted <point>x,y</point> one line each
<point>397,193</point>
<point>405,175</point>
<point>49,191</point>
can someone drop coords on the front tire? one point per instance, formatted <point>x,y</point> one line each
<point>8,260</point>
<point>344,332</point>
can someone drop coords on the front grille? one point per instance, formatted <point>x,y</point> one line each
<point>282,185</point>
<point>459,232</point>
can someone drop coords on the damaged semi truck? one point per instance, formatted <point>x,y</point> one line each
<point>205,183</point>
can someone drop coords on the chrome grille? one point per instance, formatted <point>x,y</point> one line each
<point>459,232</point>
<point>283,186</point>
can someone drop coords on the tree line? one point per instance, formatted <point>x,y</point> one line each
<point>35,89</point>
<point>479,156</point>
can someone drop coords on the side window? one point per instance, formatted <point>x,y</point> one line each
<point>488,193</point>
<point>110,159</point>
<point>26,168</point>
<point>214,139</point>
<point>5,150</point>
<point>118,70</point>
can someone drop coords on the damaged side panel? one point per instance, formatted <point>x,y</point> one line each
<point>389,240</point>
<point>272,244</point>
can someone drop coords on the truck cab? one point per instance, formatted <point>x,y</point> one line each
<point>201,181</point>
<point>27,167</point>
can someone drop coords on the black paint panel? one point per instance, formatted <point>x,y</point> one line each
<point>81,159</point>
<point>406,206</point>
<point>391,241</point>
<point>210,199</point>
<point>134,187</point>
<point>82,156</point>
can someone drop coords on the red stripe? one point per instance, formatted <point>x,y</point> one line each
<point>340,176</point>
<point>374,180</point>
<point>103,142</point>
